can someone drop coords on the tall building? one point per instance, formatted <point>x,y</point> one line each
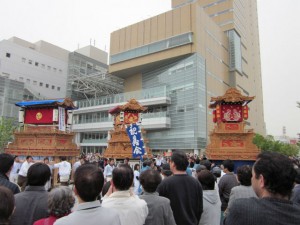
<point>195,51</point>
<point>41,66</point>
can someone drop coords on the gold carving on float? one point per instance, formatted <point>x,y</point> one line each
<point>39,116</point>
<point>119,145</point>
<point>229,139</point>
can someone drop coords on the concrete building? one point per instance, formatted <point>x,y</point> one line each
<point>196,51</point>
<point>43,67</point>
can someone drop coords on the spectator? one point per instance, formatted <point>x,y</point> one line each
<point>48,184</point>
<point>31,205</point>
<point>13,176</point>
<point>126,161</point>
<point>184,192</point>
<point>132,210</point>
<point>109,169</point>
<point>296,191</point>
<point>60,203</point>
<point>160,212</point>
<point>22,176</point>
<point>136,179</point>
<point>6,165</point>
<point>244,190</point>
<point>64,171</point>
<point>159,160</point>
<point>7,205</point>
<point>273,178</point>
<point>166,171</point>
<point>88,182</point>
<point>147,165</point>
<point>211,200</point>
<point>206,163</point>
<point>226,183</point>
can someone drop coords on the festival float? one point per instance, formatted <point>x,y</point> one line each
<point>126,138</point>
<point>229,138</point>
<point>45,131</point>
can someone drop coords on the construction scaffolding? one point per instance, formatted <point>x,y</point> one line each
<point>88,78</point>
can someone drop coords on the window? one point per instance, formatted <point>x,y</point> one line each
<point>53,87</point>
<point>58,88</point>
<point>60,70</point>
<point>36,64</point>
<point>23,60</point>
<point>27,81</point>
<point>48,67</point>
<point>29,61</point>
<point>47,85</point>
<point>7,55</point>
<point>43,66</point>
<point>41,84</point>
<point>54,69</point>
<point>34,82</point>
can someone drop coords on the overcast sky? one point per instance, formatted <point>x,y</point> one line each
<point>73,23</point>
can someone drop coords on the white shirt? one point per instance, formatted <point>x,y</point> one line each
<point>24,168</point>
<point>76,165</point>
<point>131,209</point>
<point>16,167</point>
<point>136,182</point>
<point>158,161</point>
<point>108,170</point>
<point>64,168</point>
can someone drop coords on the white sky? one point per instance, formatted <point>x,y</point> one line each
<point>69,23</point>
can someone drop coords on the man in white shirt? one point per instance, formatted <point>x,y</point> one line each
<point>13,176</point>
<point>64,171</point>
<point>158,160</point>
<point>131,209</point>
<point>22,175</point>
<point>109,169</point>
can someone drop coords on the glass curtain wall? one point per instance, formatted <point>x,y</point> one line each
<point>186,86</point>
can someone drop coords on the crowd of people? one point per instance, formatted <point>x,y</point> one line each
<point>183,189</point>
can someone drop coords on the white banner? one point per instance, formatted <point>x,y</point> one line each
<point>62,119</point>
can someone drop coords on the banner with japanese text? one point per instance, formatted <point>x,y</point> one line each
<point>137,143</point>
<point>61,119</point>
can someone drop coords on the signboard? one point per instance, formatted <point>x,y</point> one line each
<point>137,143</point>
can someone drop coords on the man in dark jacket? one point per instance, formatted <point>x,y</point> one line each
<point>31,205</point>
<point>6,164</point>
<point>184,192</point>
<point>273,178</point>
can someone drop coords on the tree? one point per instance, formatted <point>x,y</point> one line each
<point>269,144</point>
<point>7,127</point>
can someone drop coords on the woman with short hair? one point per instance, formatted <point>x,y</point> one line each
<point>60,203</point>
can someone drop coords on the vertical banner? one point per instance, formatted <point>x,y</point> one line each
<point>62,119</point>
<point>137,143</point>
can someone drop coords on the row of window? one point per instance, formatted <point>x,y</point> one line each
<point>41,84</point>
<point>37,64</point>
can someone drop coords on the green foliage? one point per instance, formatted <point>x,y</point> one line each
<point>7,127</point>
<point>269,144</point>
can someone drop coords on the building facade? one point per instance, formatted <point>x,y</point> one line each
<point>196,50</point>
<point>41,66</point>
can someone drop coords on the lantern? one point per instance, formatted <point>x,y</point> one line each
<point>245,112</point>
<point>214,116</point>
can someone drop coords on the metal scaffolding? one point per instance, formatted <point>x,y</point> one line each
<point>88,78</point>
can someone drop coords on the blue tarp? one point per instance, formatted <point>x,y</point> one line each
<point>38,102</point>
